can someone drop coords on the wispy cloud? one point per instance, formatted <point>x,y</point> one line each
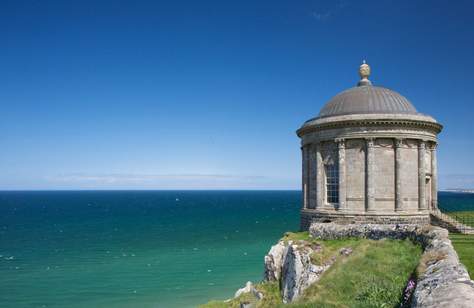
<point>323,15</point>
<point>143,178</point>
<point>167,181</point>
<point>457,181</point>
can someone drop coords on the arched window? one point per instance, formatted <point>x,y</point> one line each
<point>332,181</point>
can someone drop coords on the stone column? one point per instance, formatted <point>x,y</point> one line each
<point>434,178</point>
<point>398,176</point>
<point>421,175</point>
<point>313,169</point>
<point>319,177</point>
<point>304,173</point>
<point>342,173</point>
<point>370,176</point>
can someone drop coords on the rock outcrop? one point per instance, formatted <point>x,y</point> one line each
<point>298,272</point>
<point>443,281</point>
<point>273,262</point>
<point>290,264</point>
<point>249,288</point>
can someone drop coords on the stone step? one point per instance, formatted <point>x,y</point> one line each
<point>452,224</point>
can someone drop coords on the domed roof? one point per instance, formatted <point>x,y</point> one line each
<point>367,99</point>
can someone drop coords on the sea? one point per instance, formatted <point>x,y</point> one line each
<point>142,248</point>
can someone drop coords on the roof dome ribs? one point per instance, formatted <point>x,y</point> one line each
<point>367,99</point>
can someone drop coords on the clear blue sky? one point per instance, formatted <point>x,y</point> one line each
<point>208,94</point>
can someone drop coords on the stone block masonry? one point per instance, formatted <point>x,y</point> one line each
<point>370,152</point>
<point>308,217</point>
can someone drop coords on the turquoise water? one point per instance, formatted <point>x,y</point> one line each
<point>141,248</point>
<point>450,201</point>
<point>136,249</point>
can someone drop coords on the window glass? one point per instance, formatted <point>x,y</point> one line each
<point>332,182</point>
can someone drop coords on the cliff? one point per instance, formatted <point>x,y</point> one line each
<point>360,265</point>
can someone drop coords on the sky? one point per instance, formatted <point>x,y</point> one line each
<point>209,94</point>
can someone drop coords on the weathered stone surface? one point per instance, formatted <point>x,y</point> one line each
<point>443,282</point>
<point>290,264</point>
<point>442,220</point>
<point>298,273</point>
<point>370,231</point>
<point>345,251</point>
<point>249,288</point>
<point>386,157</point>
<point>273,262</point>
<point>456,295</point>
<point>310,216</point>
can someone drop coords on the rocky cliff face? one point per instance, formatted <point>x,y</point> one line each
<point>443,281</point>
<point>298,273</point>
<point>273,262</point>
<point>290,264</point>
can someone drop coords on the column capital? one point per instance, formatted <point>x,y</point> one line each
<point>399,142</point>
<point>370,142</point>
<point>340,143</point>
<point>422,144</point>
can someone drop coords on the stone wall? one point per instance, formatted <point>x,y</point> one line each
<point>383,169</point>
<point>443,281</point>
<point>409,175</point>
<point>384,175</point>
<point>308,216</point>
<point>376,175</point>
<point>355,174</point>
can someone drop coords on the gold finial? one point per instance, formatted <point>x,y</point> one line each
<point>364,72</point>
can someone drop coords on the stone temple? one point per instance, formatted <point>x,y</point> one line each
<point>369,157</point>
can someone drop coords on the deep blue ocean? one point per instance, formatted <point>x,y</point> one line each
<point>141,248</point>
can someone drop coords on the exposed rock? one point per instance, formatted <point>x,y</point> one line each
<point>298,273</point>
<point>345,251</point>
<point>274,262</point>
<point>333,231</point>
<point>443,281</point>
<point>249,288</point>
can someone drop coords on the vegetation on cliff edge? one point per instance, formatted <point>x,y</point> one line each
<point>374,275</point>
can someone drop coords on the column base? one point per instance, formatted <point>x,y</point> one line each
<point>309,216</point>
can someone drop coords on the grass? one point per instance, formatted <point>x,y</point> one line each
<point>465,217</point>
<point>464,245</point>
<point>271,298</point>
<point>374,275</point>
<point>325,250</point>
<point>296,236</point>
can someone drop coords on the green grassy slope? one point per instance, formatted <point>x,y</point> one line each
<point>374,275</point>
<point>464,245</point>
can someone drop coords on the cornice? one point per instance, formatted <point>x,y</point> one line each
<point>428,125</point>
